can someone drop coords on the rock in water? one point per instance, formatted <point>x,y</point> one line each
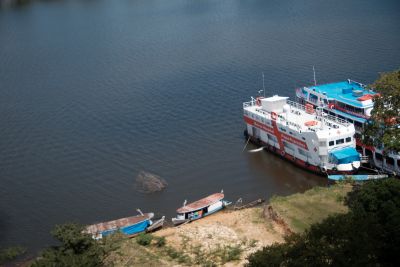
<point>148,182</point>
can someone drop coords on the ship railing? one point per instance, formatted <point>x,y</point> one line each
<point>320,117</point>
<point>248,104</point>
<point>352,81</point>
<point>296,105</point>
<point>336,119</point>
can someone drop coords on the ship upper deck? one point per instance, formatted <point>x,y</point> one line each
<point>344,92</point>
<point>297,117</point>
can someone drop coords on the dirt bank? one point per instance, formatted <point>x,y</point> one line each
<point>228,237</point>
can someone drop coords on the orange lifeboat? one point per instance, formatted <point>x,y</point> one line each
<point>310,123</point>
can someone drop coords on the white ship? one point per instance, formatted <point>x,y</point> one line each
<point>308,137</point>
<point>353,102</point>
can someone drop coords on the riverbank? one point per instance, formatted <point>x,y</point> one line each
<point>228,237</point>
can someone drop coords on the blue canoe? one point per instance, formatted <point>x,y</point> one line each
<point>128,226</point>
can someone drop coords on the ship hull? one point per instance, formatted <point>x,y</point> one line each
<point>296,161</point>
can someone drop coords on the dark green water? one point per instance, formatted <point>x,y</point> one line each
<point>92,92</point>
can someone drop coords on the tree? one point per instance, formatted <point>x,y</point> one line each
<point>369,235</point>
<point>76,248</point>
<point>384,125</point>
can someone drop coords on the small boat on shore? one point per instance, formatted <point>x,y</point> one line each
<point>200,208</point>
<point>129,226</point>
<point>359,177</point>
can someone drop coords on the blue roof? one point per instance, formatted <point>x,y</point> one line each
<point>345,155</point>
<point>343,91</point>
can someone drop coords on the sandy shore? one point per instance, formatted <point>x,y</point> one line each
<point>225,238</point>
<point>246,228</point>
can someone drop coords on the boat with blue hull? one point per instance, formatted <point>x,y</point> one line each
<point>129,226</point>
<point>358,177</point>
<point>200,208</point>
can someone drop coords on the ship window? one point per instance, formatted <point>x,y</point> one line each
<point>313,98</point>
<point>348,139</point>
<point>389,161</point>
<point>271,137</point>
<point>304,153</point>
<point>378,156</point>
<point>339,141</point>
<point>289,146</point>
<point>331,143</point>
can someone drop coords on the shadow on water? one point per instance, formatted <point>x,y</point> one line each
<point>283,175</point>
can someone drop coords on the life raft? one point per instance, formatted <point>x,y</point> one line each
<point>310,123</point>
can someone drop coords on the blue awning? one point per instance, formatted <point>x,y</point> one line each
<point>345,155</point>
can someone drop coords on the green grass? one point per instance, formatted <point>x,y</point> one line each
<point>301,210</point>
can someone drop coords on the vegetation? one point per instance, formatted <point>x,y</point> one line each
<point>76,248</point>
<point>11,253</point>
<point>383,127</point>
<point>160,241</point>
<point>300,211</point>
<point>368,235</point>
<point>144,239</point>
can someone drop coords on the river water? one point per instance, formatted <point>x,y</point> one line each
<point>93,92</point>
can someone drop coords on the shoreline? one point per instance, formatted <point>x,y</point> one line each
<point>228,237</point>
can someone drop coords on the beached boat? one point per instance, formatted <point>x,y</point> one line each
<point>200,208</point>
<point>129,226</point>
<point>358,177</point>
<point>353,102</point>
<point>302,134</point>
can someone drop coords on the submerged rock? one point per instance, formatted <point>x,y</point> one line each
<point>149,183</point>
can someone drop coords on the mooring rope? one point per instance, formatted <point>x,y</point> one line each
<point>248,139</point>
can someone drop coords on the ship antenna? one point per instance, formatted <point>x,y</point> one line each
<point>315,80</point>
<point>263,83</point>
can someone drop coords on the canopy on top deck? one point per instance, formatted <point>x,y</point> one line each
<point>346,155</point>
